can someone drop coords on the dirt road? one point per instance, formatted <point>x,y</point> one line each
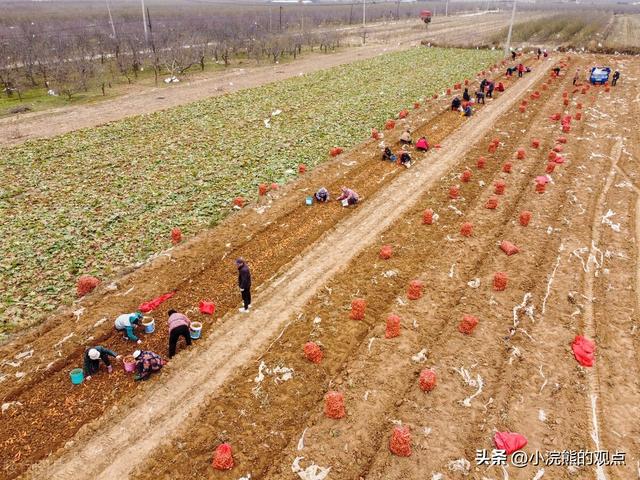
<point>193,377</point>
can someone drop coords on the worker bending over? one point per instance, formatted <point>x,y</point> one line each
<point>146,363</point>
<point>322,195</point>
<point>388,155</point>
<point>127,322</point>
<point>405,138</point>
<point>178,327</point>
<point>348,197</point>
<point>455,103</point>
<point>92,357</point>
<point>422,144</point>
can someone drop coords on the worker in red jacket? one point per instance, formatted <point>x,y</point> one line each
<point>244,282</point>
<point>520,69</point>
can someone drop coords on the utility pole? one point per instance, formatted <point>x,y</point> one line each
<point>507,46</point>
<point>397,10</point>
<point>280,17</point>
<point>144,23</point>
<point>113,28</point>
<point>270,24</point>
<point>364,21</point>
<point>153,48</point>
<point>351,14</point>
<point>446,9</point>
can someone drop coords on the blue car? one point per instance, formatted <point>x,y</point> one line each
<point>599,75</point>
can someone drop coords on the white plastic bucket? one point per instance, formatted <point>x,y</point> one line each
<point>195,330</point>
<point>149,324</point>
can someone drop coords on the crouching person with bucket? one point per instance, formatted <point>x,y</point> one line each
<point>146,364</point>
<point>179,326</point>
<point>92,358</point>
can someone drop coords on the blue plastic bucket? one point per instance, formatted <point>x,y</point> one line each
<point>195,330</point>
<point>309,201</point>
<point>77,376</point>
<point>149,325</point>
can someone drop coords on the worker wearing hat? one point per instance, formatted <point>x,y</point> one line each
<point>92,357</point>
<point>146,364</point>
<point>128,322</point>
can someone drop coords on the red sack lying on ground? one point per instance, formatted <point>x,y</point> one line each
<point>466,176</point>
<point>335,151</point>
<point>508,248</point>
<point>551,166</point>
<point>492,203</point>
<point>562,139</point>
<point>466,230</point>
<point>262,189</point>
<point>427,380</point>
<point>375,134</point>
<point>176,235</point>
<point>386,252</point>
<point>535,143</point>
<point>521,153</point>
<point>403,114</point>
<point>155,303</point>
<point>525,218</point>
<point>482,162</point>
<point>334,405</point>
<point>509,442</point>
<point>358,306</point>
<point>207,307</point>
<point>312,352</point>
<point>222,458</point>
<point>415,289</point>
<point>499,187</point>
<point>584,350</point>
<point>86,284</point>
<point>558,148</point>
<point>302,168</point>
<point>274,186</point>
<point>500,281</point>
<point>393,327</point>
<point>400,443</point>
<point>454,191</point>
<point>427,217</point>
<point>390,125</point>
<point>506,168</point>
<point>416,105</point>
<point>238,202</point>
<point>467,324</point>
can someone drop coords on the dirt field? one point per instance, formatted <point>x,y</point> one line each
<point>576,273</point>
<point>625,31</point>
<point>382,38</point>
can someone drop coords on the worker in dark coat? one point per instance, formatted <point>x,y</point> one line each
<point>465,96</point>
<point>616,77</point>
<point>244,282</point>
<point>92,357</point>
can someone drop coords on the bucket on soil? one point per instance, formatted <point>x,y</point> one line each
<point>149,324</point>
<point>77,376</point>
<point>308,201</point>
<point>129,363</point>
<point>195,330</point>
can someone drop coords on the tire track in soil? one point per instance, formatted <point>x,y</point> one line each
<point>278,415</point>
<point>367,218</point>
<point>46,396</point>
<point>377,375</point>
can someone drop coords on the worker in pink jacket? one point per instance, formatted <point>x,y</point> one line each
<point>178,327</point>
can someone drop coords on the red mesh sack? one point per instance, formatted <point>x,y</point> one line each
<point>222,457</point>
<point>275,186</point>
<point>335,151</point>
<point>565,94</point>
<point>427,217</point>
<point>454,191</point>
<point>334,405</point>
<point>508,248</point>
<point>262,189</point>
<point>521,154</point>
<point>390,125</point>
<point>466,176</point>
<point>492,203</point>
<point>416,105</point>
<point>427,380</point>
<point>499,187</point>
<point>584,351</point>
<point>552,155</point>
<point>435,95</point>
<point>555,117</point>
<point>522,108</point>
<point>238,202</point>
<point>312,352</point>
<point>448,91</point>
<point>496,141</point>
<point>302,168</point>
<point>566,119</point>
<point>466,230</point>
<point>500,280</point>
<point>207,307</point>
<point>403,113</point>
<point>492,148</point>
<point>607,89</point>
<point>559,159</point>
<point>481,162</point>
<point>375,134</point>
<point>540,187</point>
<point>466,82</point>
<point>458,86</point>
<point>393,327</point>
<point>565,102</point>
<point>386,252</point>
<point>524,102</point>
<point>509,442</point>
<point>550,167</point>
<point>358,306</point>
<point>566,128</point>
<point>579,106</point>
<point>562,139</point>
<point>468,323</point>
<point>506,168</point>
<point>525,218</point>
<point>535,143</point>
<point>400,443</point>
<point>558,148</point>
<point>544,86</point>
<point>176,235</point>
<point>578,116</point>
<point>86,283</point>
<point>415,289</point>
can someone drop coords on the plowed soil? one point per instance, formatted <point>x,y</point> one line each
<point>576,274</point>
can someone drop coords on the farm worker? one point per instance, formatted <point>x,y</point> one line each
<point>92,357</point>
<point>178,327</point>
<point>544,53</point>
<point>539,53</point>
<point>513,54</point>
<point>479,97</point>
<point>500,87</point>
<point>616,76</point>
<point>557,71</point>
<point>467,111</point>
<point>405,138</point>
<point>490,88</point>
<point>405,159</point>
<point>422,144</point>
<point>576,77</point>
<point>244,282</point>
<point>465,96</point>
<point>128,322</point>
<point>483,84</point>
<point>520,69</point>
<point>349,195</point>
<point>388,155</point>
<point>146,364</point>
<point>322,195</point>
<point>455,103</point>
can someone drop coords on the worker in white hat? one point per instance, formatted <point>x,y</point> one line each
<point>92,357</point>
<point>147,363</point>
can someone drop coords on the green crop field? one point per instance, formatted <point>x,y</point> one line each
<point>96,200</point>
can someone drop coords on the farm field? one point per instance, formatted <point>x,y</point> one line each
<point>120,188</point>
<point>575,274</point>
<point>625,32</point>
